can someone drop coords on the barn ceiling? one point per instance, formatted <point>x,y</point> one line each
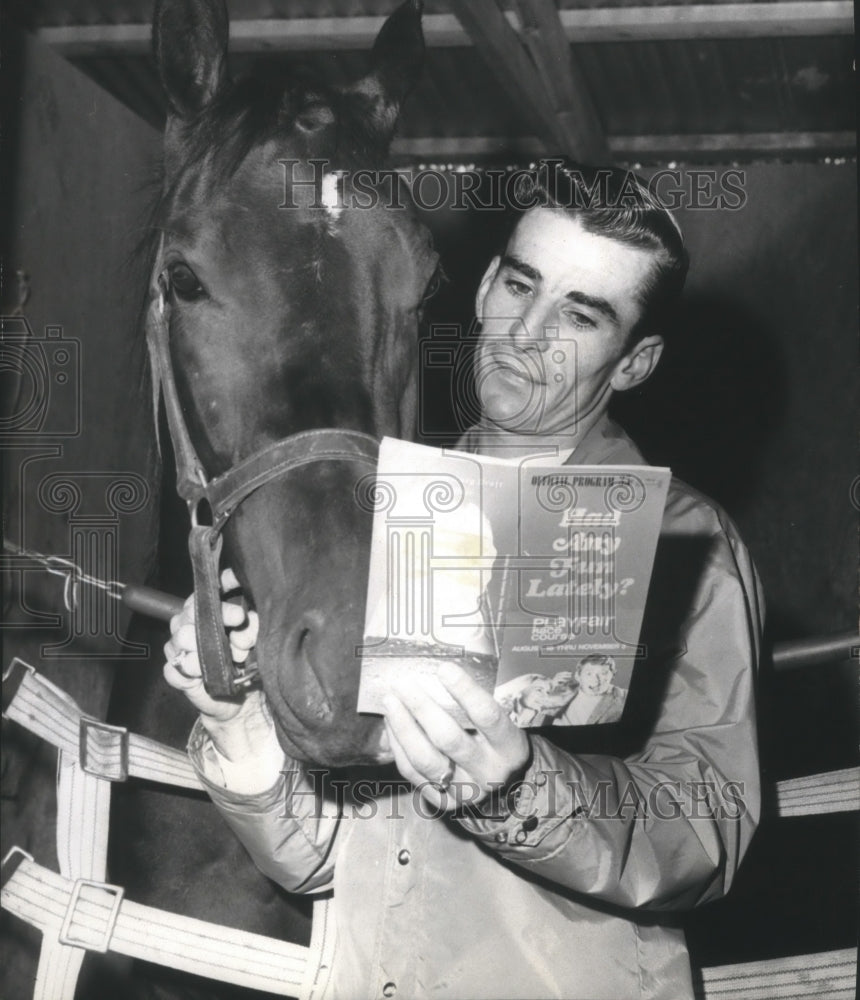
<point>506,80</point>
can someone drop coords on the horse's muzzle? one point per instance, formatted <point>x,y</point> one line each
<point>310,676</point>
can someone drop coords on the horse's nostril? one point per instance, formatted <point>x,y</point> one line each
<point>308,627</point>
<point>307,659</point>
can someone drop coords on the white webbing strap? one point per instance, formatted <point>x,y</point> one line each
<point>96,916</point>
<point>105,751</point>
<point>83,812</point>
<point>828,792</point>
<point>77,911</point>
<point>321,950</point>
<point>83,817</point>
<point>828,975</point>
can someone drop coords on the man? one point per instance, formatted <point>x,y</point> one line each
<point>558,874</point>
<point>595,699</point>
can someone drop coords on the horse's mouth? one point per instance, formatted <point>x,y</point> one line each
<point>312,748</point>
<point>312,699</point>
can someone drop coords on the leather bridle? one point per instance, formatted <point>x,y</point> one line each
<point>221,677</point>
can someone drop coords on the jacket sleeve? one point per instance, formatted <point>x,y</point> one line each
<point>667,825</point>
<point>289,830</point>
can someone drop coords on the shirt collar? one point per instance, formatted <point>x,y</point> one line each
<point>605,443</point>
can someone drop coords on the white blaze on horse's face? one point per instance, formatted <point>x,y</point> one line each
<point>331,195</point>
<point>285,318</point>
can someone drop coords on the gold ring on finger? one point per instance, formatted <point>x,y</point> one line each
<point>444,782</point>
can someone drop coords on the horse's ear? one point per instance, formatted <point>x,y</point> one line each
<point>190,42</point>
<point>397,60</point>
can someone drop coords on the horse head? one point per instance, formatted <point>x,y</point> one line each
<point>294,277</point>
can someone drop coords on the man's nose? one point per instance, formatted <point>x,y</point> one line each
<point>531,330</point>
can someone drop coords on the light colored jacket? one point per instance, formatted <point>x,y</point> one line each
<point>576,894</point>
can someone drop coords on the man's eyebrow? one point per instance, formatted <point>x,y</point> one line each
<point>595,302</point>
<point>520,265</point>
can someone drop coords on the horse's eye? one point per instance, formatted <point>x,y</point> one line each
<point>184,282</point>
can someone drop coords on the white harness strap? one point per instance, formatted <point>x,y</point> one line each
<point>832,791</point>
<point>95,916</point>
<point>108,752</point>
<point>83,815</point>
<point>323,940</point>
<point>77,910</point>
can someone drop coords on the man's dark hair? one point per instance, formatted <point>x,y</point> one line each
<point>620,206</point>
<point>597,660</point>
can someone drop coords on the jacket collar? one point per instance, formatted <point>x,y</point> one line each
<point>606,444</point>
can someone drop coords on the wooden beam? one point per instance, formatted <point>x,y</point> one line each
<point>562,77</point>
<point>627,147</point>
<point>726,143</point>
<point>804,18</point>
<point>506,58</point>
<point>517,74</point>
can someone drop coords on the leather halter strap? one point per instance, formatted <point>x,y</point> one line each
<point>224,493</point>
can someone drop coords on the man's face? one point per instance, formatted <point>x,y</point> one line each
<point>556,312</point>
<point>595,678</point>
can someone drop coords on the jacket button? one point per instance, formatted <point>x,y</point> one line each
<point>502,837</point>
<point>540,779</point>
<point>530,823</point>
<point>403,857</point>
<point>520,837</point>
<point>389,989</point>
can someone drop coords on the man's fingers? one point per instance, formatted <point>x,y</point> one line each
<point>234,615</point>
<point>187,664</point>
<point>243,640</point>
<point>408,771</point>
<point>488,716</point>
<point>185,615</point>
<point>246,637</point>
<point>182,667</point>
<point>185,638</point>
<point>228,580</point>
<point>401,758</point>
<point>425,761</point>
<point>426,699</point>
<point>183,671</point>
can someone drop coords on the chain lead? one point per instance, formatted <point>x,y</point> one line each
<point>71,573</point>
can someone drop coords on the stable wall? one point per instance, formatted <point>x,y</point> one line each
<point>79,464</point>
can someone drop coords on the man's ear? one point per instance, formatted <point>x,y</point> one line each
<point>637,364</point>
<point>484,287</point>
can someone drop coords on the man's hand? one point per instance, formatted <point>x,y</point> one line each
<point>432,749</point>
<point>235,724</point>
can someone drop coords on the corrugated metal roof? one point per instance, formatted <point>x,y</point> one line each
<point>666,87</point>
<point>671,87</point>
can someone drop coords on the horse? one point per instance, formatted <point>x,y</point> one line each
<point>288,305</point>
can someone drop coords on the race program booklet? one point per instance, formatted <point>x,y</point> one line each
<point>530,573</point>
